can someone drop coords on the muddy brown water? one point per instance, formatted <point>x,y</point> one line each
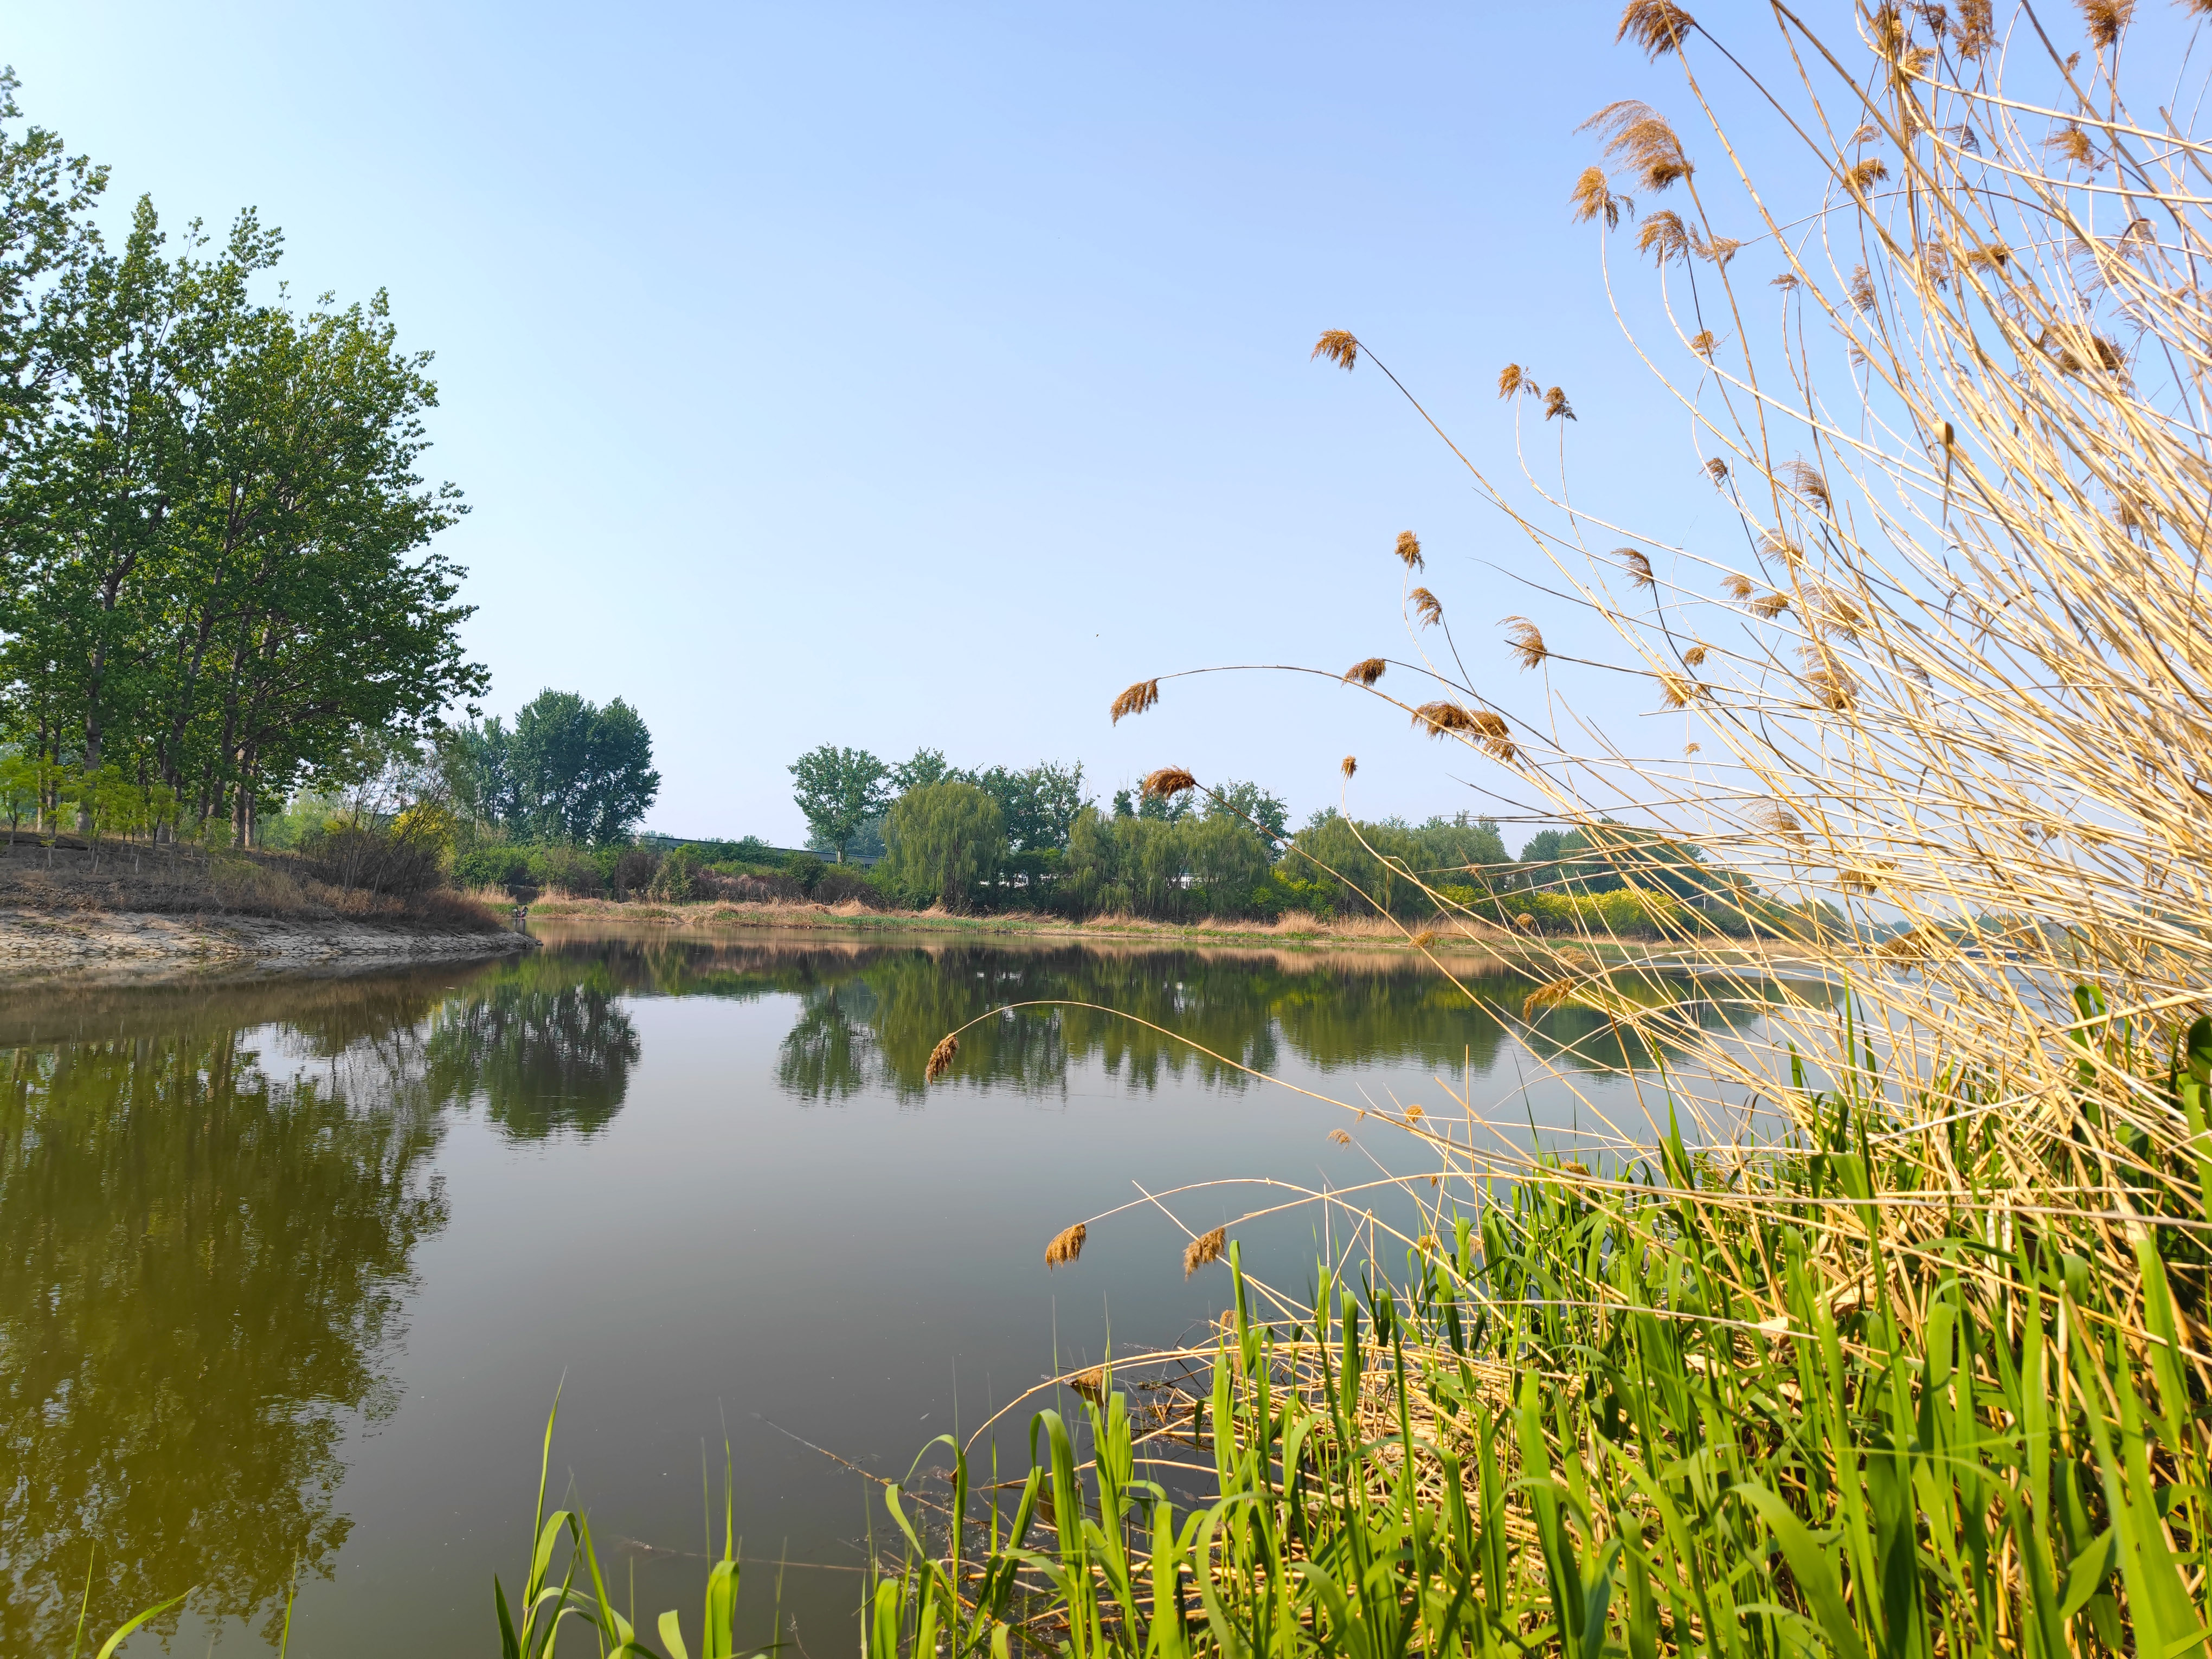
<point>290,1269</point>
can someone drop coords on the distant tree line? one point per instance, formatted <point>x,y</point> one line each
<point>997,838</point>
<point>216,574</point>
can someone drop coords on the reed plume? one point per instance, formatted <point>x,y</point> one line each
<point>1525,639</point>
<point>1556,404</point>
<point>1168,783</point>
<point>1409,550</point>
<point>1427,606</point>
<point>1340,1137</point>
<point>1137,699</point>
<point>1513,378</point>
<point>1738,586</point>
<point>1207,1246</point>
<point>1693,656</point>
<point>1337,346</point>
<point>1717,470</point>
<point>1351,764</point>
<point>1768,606</point>
<point>940,1059</point>
<point>1658,27</point>
<point>1592,198</point>
<point>1639,567</point>
<point>1637,137</point>
<point>1066,1246</point>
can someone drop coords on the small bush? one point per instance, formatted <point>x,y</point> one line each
<point>676,882</point>
<point>805,869</point>
<point>635,869</point>
<point>842,882</point>
<point>570,870</point>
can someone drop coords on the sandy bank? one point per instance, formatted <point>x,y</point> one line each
<point>109,943</point>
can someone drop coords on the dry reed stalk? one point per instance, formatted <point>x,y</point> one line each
<point>1207,1247</point>
<point>1066,1246</point>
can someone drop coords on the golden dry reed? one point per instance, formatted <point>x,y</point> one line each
<point>941,1058</point>
<point>1137,699</point>
<point>1066,1246</point>
<point>1207,1246</point>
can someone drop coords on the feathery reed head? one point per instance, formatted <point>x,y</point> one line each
<point>1340,1137</point>
<point>1090,1385</point>
<point>1066,1246</point>
<point>1168,783</point>
<point>1776,545</point>
<point>1365,671</point>
<point>940,1059</point>
<point>1803,478</point>
<point>1658,27</point>
<point>1338,346</point>
<point>2105,20</point>
<point>1681,692</point>
<point>1638,137</point>
<point>1137,699</point>
<point>1555,403</point>
<point>1866,175</point>
<point>1593,198</point>
<point>1639,567</point>
<point>1717,470</point>
<point>1489,729</point>
<point>1663,236</point>
<point>1690,748</point>
<point>1525,922</point>
<point>1409,550</point>
<point>1777,819</point>
<point>1351,765</point>
<point>1525,639</point>
<point>1739,585</point>
<point>1206,1247</point>
<point>1703,343</point>
<point>1550,994</point>
<point>1694,657</point>
<point>1768,606</point>
<point>1427,606</point>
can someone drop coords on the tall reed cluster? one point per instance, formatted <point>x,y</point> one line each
<point>1886,1332</point>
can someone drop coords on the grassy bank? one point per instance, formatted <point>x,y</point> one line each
<point>72,875</point>
<point>1295,929</point>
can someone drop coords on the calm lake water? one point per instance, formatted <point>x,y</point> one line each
<point>290,1270</point>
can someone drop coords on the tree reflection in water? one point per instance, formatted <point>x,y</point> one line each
<point>544,1044</point>
<point>211,1197</point>
<point>202,1260</point>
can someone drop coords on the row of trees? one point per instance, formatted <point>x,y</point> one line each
<point>214,568</point>
<point>996,837</point>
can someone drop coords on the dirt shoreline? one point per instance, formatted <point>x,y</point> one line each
<point>109,944</point>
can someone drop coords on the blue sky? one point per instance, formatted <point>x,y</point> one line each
<point>925,375</point>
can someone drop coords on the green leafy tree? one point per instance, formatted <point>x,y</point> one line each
<point>927,766</point>
<point>944,839</point>
<point>839,790</point>
<point>566,770</point>
<point>1249,804</point>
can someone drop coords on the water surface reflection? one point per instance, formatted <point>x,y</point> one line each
<point>288,1268</point>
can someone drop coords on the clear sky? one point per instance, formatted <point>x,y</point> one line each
<point>924,375</point>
